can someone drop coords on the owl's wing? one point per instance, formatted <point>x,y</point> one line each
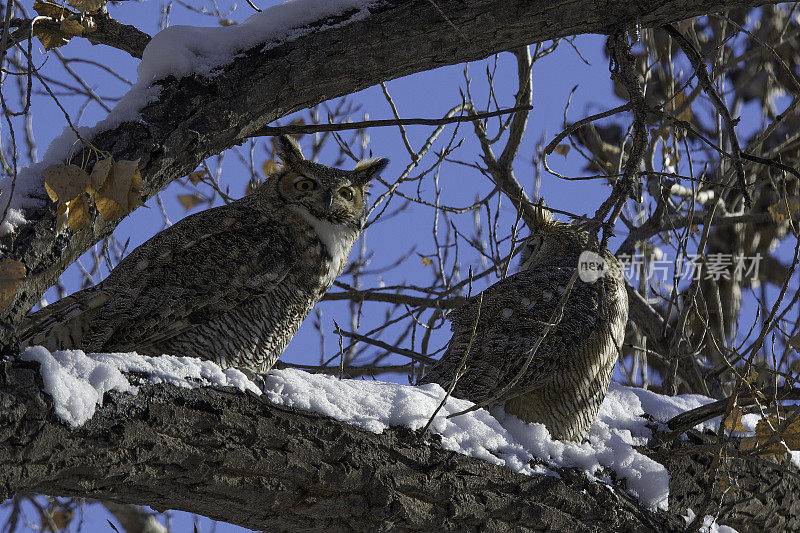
<point>204,265</point>
<point>207,265</point>
<point>513,315</point>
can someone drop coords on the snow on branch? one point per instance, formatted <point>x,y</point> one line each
<point>313,451</point>
<point>77,383</point>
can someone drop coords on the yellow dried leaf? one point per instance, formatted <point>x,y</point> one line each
<point>733,421</point>
<point>78,213</point>
<point>65,182</point>
<point>269,167</point>
<point>135,194</point>
<point>426,261</point>
<point>562,149</point>
<point>121,192</point>
<point>100,173</point>
<point>50,9</point>
<point>61,216</point>
<point>189,201</point>
<point>197,176</point>
<point>51,38</point>
<point>11,275</point>
<point>789,437</point>
<point>749,443</point>
<point>72,27</point>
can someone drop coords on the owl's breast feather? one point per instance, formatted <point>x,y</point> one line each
<point>337,240</point>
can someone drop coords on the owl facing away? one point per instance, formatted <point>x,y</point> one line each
<point>231,284</point>
<point>567,376</point>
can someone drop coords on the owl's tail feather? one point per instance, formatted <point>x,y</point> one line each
<point>63,324</point>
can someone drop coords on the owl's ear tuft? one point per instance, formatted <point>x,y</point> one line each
<point>290,152</point>
<point>366,169</point>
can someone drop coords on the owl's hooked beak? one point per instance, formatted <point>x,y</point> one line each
<point>327,200</point>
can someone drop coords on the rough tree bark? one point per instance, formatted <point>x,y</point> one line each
<point>194,118</point>
<point>236,457</point>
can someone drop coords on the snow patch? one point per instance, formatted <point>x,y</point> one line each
<point>184,50</point>
<point>77,381</point>
<point>709,524</point>
<point>497,437</point>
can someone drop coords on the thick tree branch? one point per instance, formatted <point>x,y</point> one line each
<point>194,118</point>
<point>236,457</point>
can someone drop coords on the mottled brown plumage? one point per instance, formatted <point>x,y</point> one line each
<point>231,284</point>
<point>568,374</point>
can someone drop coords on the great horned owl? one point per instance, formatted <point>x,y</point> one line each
<point>568,375</point>
<point>231,284</point>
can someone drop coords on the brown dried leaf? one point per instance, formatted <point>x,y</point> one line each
<point>197,176</point>
<point>61,216</point>
<point>71,26</point>
<point>50,9</point>
<point>189,201</point>
<point>121,192</point>
<point>426,261</point>
<point>733,422</point>
<point>790,436</point>
<point>11,275</point>
<point>78,213</point>
<point>100,173</point>
<point>135,194</point>
<point>562,149</point>
<point>65,182</point>
<point>51,38</point>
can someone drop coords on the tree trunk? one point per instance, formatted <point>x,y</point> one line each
<point>195,118</point>
<point>235,457</point>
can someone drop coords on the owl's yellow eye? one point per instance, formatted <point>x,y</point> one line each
<point>305,185</point>
<point>346,193</point>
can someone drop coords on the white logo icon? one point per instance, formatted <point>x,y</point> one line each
<point>591,266</point>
